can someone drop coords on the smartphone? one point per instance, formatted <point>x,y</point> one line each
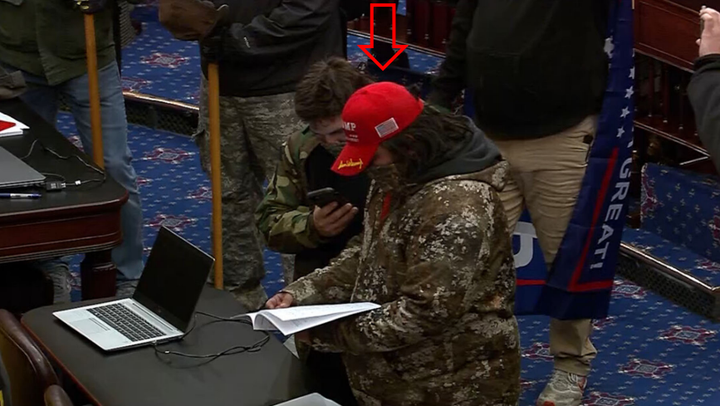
<point>325,196</point>
<point>702,22</point>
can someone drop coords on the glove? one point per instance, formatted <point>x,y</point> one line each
<point>192,20</point>
<point>89,6</point>
<point>211,47</point>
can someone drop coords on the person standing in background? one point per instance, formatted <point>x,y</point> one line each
<point>45,40</point>
<point>704,88</point>
<point>263,49</point>
<point>537,72</point>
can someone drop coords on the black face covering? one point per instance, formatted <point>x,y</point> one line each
<point>387,177</point>
<point>334,149</point>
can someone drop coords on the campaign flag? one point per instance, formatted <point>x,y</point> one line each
<point>580,281</point>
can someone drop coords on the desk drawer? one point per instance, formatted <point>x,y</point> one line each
<point>667,31</point>
<point>45,239</point>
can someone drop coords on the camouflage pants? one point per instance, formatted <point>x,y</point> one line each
<point>252,132</point>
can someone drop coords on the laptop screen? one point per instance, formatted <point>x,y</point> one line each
<point>175,274</point>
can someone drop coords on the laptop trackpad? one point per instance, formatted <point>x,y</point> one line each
<point>89,326</point>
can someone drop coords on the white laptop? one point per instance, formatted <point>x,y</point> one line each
<point>163,305</point>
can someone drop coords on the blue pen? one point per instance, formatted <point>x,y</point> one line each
<point>20,195</point>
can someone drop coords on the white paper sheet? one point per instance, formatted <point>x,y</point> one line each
<point>294,319</point>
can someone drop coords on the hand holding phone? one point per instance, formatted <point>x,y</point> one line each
<point>325,196</point>
<point>332,212</point>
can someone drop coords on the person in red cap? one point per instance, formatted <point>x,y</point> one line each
<point>434,253</point>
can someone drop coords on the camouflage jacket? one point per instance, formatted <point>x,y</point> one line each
<point>440,263</point>
<point>284,217</point>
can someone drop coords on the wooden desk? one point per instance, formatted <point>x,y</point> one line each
<point>83,219</point>
<point>139,377</point>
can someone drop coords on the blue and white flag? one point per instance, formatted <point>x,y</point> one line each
<point>580,281</point>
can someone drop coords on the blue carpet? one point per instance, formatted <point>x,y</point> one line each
<point>650,351</point>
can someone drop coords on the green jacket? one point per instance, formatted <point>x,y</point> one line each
<point>47,38</point>
<point>284,217</point>
<point>441,266</point>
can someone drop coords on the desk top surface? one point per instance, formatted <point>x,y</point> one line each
<point>87,197</point>
<point>139,377</point>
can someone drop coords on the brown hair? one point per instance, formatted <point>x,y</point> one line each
<point>427,142</point>
<point>326,87</point>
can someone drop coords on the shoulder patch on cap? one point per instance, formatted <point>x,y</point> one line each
<point>386,127</point>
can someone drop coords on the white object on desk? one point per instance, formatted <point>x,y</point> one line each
<point>312,399</point>
<point>291,320</point>
<point>17,129</point>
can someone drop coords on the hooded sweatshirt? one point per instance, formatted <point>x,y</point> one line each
<point>474,155</point>
<point>440,265</point>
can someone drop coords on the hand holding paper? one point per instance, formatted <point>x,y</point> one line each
<point>291,320</point>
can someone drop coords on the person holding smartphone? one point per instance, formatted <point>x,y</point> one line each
<point>310,211</point>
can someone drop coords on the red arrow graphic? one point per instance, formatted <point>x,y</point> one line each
<point>366,48</point>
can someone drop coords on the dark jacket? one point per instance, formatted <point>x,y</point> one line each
<point>271,43</point>
<point>47,38</point>
<point>536,67</point>
<point>704,94</point>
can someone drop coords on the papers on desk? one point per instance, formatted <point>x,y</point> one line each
<point>9,126</point>
<point>312,399</point>
<point>294,319</point>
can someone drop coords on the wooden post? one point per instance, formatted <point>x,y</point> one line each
<point>94,89</point>
<point>214,118</point>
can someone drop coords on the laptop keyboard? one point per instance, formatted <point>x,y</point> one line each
<point>126,322</point>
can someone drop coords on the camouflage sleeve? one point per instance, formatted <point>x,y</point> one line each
<point>283,219</point>
<point>332,284</point>
<point>449,261</point>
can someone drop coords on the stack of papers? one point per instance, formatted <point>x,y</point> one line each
<point>291,320</point>
<point>9,126</point>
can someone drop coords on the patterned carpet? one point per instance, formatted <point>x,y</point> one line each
<point>651,352</point>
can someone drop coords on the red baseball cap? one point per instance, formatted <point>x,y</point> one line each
<point>371,116</point>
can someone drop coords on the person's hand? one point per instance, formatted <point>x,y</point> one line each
<point>89,6</point>
<point>211,47</point>
<point>280,301</point>
<point>330,222</point>
<point>709,41</point>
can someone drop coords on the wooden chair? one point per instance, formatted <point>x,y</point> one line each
<point>56,396</point>
<point>30,373</point>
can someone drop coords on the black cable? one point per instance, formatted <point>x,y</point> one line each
<point>238,349</point>
<point>77,182</point>
<point>32,147</point>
